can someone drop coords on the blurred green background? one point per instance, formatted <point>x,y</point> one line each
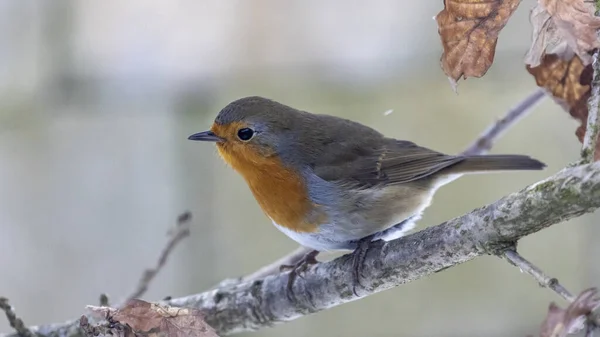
<point>97,99</point>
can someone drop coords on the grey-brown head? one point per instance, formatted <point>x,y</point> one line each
<point>256,126</point>
<point>253,126</point>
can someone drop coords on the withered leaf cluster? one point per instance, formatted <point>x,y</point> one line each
<point>569,82</point>
<point>141,318</point>
<point>469,31</point>
<point>565,28</point>
<point>565,35</point>
<point>562,322</point>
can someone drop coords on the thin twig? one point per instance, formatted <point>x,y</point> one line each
<point>481,145</point>
<point>590,139</point>
<point>181,231</point>
<point>15,322</point>
<point>486,140</point>
<point>546,281</point>
<point>543,279</point>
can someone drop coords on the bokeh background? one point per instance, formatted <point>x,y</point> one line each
<point>97,99</point>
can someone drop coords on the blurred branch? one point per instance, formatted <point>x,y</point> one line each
<point>486,140</point>
<point>492,229</point>
<point>590,139</point>
<point>178,233</point>
<point>481,145</point>
<point>14,321</point>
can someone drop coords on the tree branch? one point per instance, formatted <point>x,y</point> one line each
<point>488,230</point>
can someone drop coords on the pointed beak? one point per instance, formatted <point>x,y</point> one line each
<point>206,136</point>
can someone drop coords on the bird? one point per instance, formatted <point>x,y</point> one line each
<point>332,184</point>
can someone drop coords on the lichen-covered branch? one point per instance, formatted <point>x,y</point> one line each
<point>590,139</point>
<point>488,230</point>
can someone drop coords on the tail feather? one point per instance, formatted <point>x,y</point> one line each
<point>482,163</point>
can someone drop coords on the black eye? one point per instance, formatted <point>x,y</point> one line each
<point>245,133</point>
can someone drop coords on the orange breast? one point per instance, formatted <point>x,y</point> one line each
<point>280,192</point>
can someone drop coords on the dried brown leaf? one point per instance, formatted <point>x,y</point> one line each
<point>563,78</point>
<point>561,322</point>
<point>469,31</point>
<point>563,27</point>
<point>153,320</point>
<point>545,37</point>
<point>569,82</point>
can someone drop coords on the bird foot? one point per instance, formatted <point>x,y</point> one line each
<point>297,269</point>
<point>358,259</point>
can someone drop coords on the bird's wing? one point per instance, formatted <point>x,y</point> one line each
<point>392,162</point>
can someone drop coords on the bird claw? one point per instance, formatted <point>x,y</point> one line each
<point>297,269</point>
<point>358,259</point>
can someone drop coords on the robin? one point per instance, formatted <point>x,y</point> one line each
<point>333,184</point>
